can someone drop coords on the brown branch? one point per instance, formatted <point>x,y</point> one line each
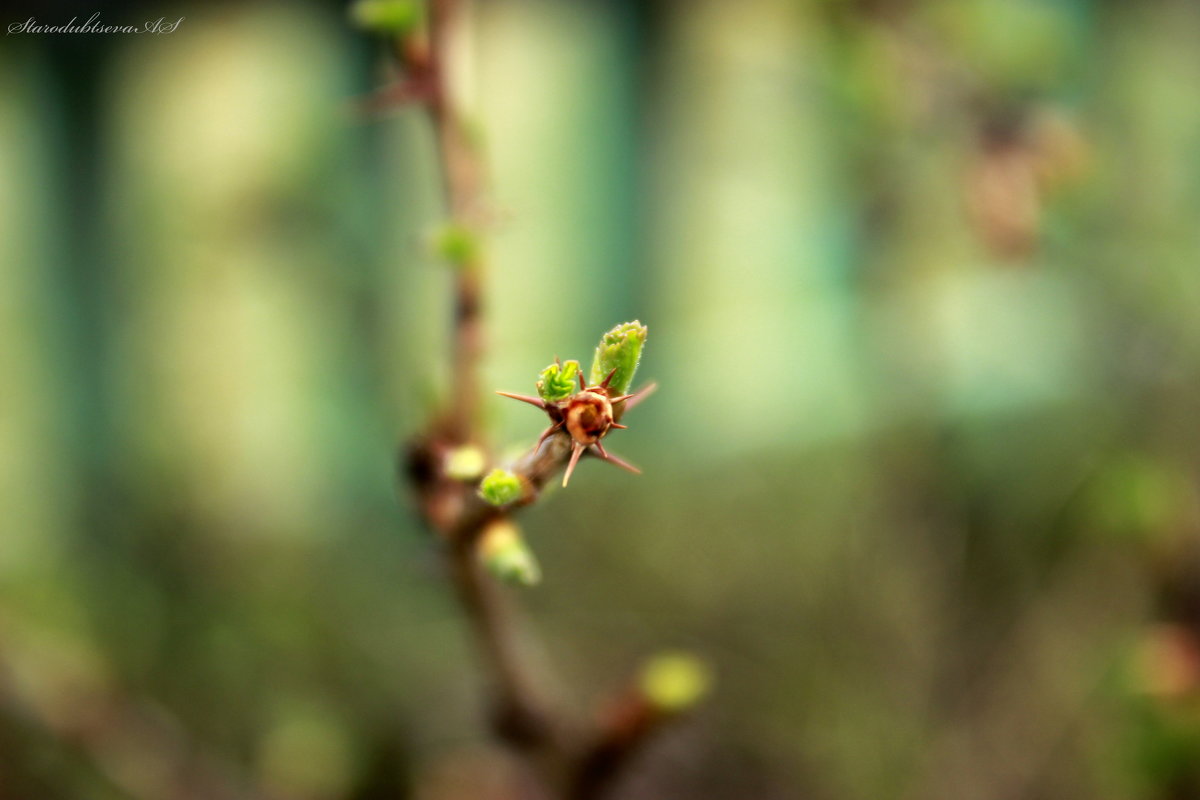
<point>450,507</point>
<point>462,173</point>
<point>623,731</point>
<point>570,763</point>
<point>398,94</point>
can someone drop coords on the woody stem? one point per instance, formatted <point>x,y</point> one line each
<point>518,714</point>
<point>549,743</point>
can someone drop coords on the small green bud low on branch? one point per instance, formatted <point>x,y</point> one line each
<point>558,381</point>
<point>505,554</point>
<point>465,463</point>
<point>501,487</point>
<point>457,244</point>
<point>620,349</point>
<point>394,17</point>
<point>674,682</point>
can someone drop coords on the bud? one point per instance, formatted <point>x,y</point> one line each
<point>465,463</point>
<point>558,381</point>
<point>395,17</point>
<point>505,554</point>
<point>674,682</point>
<point>457,244</point>
<point>620,349</point>
<point>501,487</point>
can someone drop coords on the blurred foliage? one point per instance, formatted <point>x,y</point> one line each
<point>506,555</point>
<point>675,682</point>
<point>387,16</point>
<point>456,244</point>
<point>951,549</point>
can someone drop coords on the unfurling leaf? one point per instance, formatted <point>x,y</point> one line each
<point>505,554</point>
<point>558,381</point>
<point>620,349</point>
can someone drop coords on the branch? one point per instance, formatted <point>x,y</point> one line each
<point>448,505</point>
<point>668,685</point>
<point>463,177</point>
<point>570,763</point>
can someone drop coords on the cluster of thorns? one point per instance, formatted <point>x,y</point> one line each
<point>587,416</point>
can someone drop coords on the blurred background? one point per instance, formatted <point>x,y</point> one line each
<point>920,479</point>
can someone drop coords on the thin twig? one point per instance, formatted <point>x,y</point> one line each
<point>449,506</point>
<point>569,762</point>
<point>462,174</point>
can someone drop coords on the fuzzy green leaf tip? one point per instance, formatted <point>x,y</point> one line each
<point>505,554</point>
<point>558,381</point>
<point>500,487</point>
<point>396,17</point>
<point>619,349</point>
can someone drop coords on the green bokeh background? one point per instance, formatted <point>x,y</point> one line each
<point>920,479</point>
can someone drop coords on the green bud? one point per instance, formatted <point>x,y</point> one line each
<point>396,17</point>
<point>558,381</point>
<point>506,555</point>
<point>619,349</point>
<point>500,487</point>
<point>457,244</point>
<point>465,463</point>
<point>674,682</point>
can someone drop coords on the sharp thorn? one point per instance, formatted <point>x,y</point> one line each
<point>524,398</point>
<point>576,452</point>
<point>609,377</point>
<point>619,426</point>
<point>637,397</point>
<point>619,462</point>
<point>600,447</point>
<point>582,383</point>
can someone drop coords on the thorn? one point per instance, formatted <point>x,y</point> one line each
<point>618,462</point>
<point>619,426</point>
<point>576,452</point>
<point>604,383</point>
<point>582,384</point>
<point>533,401</point>
<point>637,397</point>
<point>600,447</point>
<point>546,434</point>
